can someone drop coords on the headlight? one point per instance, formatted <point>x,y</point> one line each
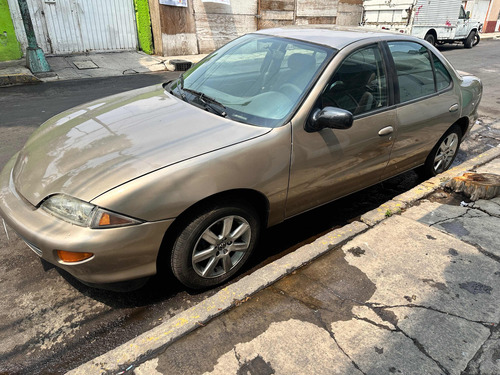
<point>84,214</point>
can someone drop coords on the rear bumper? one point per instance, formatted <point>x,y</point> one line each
<point>120,254</point>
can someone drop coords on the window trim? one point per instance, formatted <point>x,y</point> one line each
<point>390,94</point>
<point>392,64</point>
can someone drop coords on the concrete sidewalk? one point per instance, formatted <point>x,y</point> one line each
<point>91,65</point>
<point>411,288</point>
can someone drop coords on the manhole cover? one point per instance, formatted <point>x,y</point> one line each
<point>87,64</point>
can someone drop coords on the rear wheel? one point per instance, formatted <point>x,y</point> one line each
<point>430,38</point>
<point>214,244</point>
<point>443,154</point>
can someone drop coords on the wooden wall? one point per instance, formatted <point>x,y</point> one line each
<point>217,24</point>
<point>204,27</point>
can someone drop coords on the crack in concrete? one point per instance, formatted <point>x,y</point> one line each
<point>476,358</point>
<point>486,253</point>
<point>483,211</point>
<point>479,248</point>
<point>323,324</point>
<point>417,344</point>
<point>375,305</point>
<point>372,306</point>
<point>332,335</point>
<point>381,326</point>
<point>422,350</point>
<point>451,218</point>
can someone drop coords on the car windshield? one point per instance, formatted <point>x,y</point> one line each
<point>255,79</point>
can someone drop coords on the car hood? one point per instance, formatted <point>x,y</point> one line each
<point>95,147</point>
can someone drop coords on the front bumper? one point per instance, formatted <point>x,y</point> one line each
<point>120,254</point>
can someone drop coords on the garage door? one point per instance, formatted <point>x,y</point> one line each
<point>72,26</point>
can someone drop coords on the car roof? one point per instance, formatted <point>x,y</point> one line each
<point>333,36</point>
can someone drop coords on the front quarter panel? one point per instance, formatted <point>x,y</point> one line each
<point>260,164</point>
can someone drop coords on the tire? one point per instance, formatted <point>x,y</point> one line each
<point>430,38</point>
<point>469,42</point>
<point>476,40</point>
<point>214,244</point>
<point>443,154</point>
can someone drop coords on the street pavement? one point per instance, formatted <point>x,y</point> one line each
<point>413,287</point>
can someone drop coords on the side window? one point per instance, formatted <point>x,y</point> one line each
<point>443,79</point>
<point>462,15</point>
<point>414,70</point>
<point>359,85</point>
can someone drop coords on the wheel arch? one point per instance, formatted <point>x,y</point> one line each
<point>463,123</point>
<point>252,197</point>
<point>432,32</point>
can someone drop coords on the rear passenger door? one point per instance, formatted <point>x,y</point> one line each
<point>427,104</point>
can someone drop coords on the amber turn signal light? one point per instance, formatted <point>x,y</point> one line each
<point>115,220</point>
<point>71,256</point>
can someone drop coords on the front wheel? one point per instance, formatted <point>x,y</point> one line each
<point>214,245</point>
<point>477,39</point>
<point>470,41</point>
<point>443,154</point>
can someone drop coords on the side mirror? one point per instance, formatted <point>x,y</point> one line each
<point>467,16</point>
<point>329,117</point>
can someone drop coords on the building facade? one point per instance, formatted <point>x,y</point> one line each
<point>486,11</point>
<point>205,25</point>
<point>80,26</point>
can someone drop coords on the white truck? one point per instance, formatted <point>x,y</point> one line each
<point>437,21</point>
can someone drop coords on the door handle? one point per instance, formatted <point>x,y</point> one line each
<point>454,108</point>
<point>385,131</point>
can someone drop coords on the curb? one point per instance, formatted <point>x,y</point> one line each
<point>154,341</point>
<point>17,79</point>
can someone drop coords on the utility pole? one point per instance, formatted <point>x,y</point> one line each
<point>35,59</point>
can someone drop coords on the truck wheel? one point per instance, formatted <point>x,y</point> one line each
<point>430,38</point>
<point>476,41</point>
<point>469,42</point>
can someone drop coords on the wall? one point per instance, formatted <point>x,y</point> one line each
<point>9,46</point>
<point>203,27</point>
<point>491,25</point>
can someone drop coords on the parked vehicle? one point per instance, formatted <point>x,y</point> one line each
<point>437,21</point>
<point>273,124</point>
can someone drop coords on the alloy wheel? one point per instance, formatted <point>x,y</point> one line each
<point>221,246</point>
<point>445,153</point>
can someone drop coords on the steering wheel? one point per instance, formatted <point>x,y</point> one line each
<point>290,90</point>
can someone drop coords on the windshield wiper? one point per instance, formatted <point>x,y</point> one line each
<point>208,102</point>
<point>181,91</point>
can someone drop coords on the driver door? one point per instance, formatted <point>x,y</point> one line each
<point>462,24</point>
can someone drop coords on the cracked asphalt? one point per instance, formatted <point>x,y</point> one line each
<point>418,293</point>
